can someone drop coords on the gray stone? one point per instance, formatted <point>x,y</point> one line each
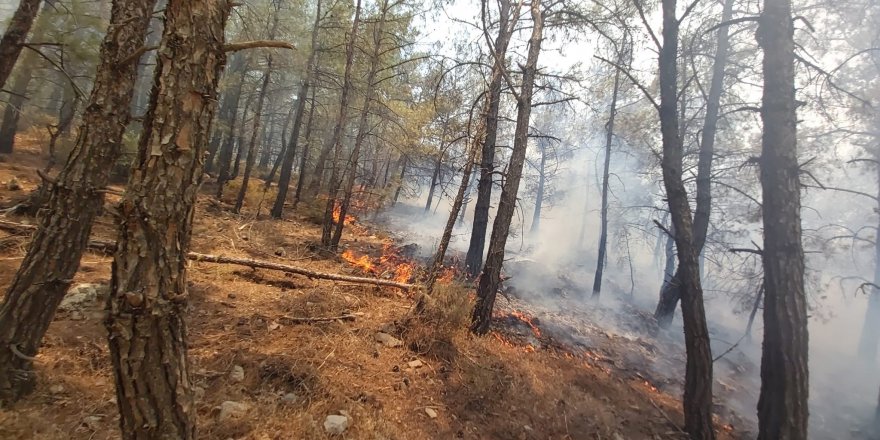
<point>431,413</point>
<point>415,364</point>
<point>56,389</point>
<point>279,251</point>
<point>83,295</point>
<point>335,425</point>
<point>289,398</point>
<point>237,374</point>
<point>388,340</point>
<point>232,410</point>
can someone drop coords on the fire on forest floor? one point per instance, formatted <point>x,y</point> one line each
<point>295,375</point>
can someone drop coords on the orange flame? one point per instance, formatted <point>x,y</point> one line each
<point>403,273</point>
<point>363,261</point>
<point>337,212</point>
<point>528,320</point>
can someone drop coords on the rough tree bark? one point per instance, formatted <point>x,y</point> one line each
<point>782,405</point>
<point>506,24</point>
<point>697,402</point>
<point>148,291</point>
<point>434,176</point>
<point>336,138</point>
<point>55,250</point>
<point>14,38</point>
<point>490,279</point>
<point>670,292</point>
<point>603,227</point>
<point>293,142</point>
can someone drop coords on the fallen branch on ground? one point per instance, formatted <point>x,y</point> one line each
<point>106,246</point>
<point>292,320</point>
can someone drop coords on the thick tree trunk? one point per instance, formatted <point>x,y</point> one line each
<point>12,112</point>
<point>55,250</point>
<point>670,293</point>
<point>284,148</point>
<point>698,370</point>
<point>16,33</point>
<point>603,226</point>
<point>782,405</point>
<point>239,139</point>
<point>293,142</point>
<point>147,332</point>
<point>474,257</point>
<point>336,139</point>
<point>255,136</point>
<point>490,279</point>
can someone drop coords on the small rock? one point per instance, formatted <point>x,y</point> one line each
<point>279,251</point>
<point>237,374</point>
<point>289,398</point>
<point>395,369</point>
<point>56,389</point>
<point>199,393</point>
<point>82,295</point>
<point>335,425</point>
<point>13,185</point>
<point>274,326</point>
<point>431,413</point>
<point>415,364</point>
<point>232,410</point>
<point>92,422</point>
<point>528,428</point>
<point>76,315</point>
<point>388,340</point>
<point>231,296</point>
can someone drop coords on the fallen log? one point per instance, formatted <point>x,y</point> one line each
<point>106,246</point>
<point>297,270</point>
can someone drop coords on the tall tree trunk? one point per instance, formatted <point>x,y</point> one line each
<point>239,138</point>
<point>440,255</point>
<point>539,196</point>
<point>147,332</point>
<point>293,142</point>
<point>16,33</point>
<point>255,135</point>
<point>434,177</point>
<point>603,227</point>
<point>145,73</point>
<point>280,158</point>
<point>12,113</point>
<point>363,127</point>
<point>266,144</point>
<point>870,336</point>
<point>336,138</point>
<point>304,159</point>
<point>222,139</point>
<point>404,160</point>
<point>698,370</point>
<point>491,276</point>
<point>670,293</point>
<point>782,405</point>
<point>506,24</point>
<point>55,249</point>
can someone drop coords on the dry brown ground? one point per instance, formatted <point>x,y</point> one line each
<point>479,387</point>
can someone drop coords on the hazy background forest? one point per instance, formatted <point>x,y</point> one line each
<point>545,151</point>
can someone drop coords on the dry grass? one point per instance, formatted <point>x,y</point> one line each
<point>481,388</point>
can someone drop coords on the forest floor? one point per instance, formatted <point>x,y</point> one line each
<point>525,380</point>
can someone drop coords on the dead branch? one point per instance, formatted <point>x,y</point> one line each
<point>106,246</point>
<point>292,320</point>
<point>235,47</point>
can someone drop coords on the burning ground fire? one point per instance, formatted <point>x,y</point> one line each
<point>390,262</point>
<point>337,212</point>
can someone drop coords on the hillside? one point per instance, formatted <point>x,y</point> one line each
<point>525,380</point>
